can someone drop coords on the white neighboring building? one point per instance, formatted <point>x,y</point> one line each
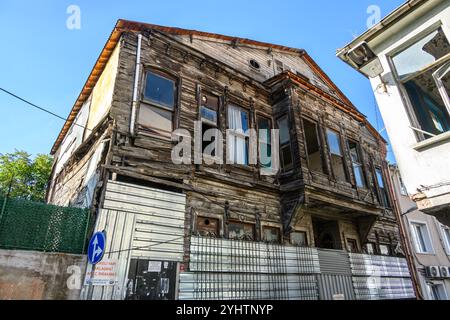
<point>407,58</point>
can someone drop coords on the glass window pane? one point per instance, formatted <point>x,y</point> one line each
<point>421,54</point>
<point>299,239</point>
<point>359,175</point>
<point>283,125</point>
<point>334,142</point>
<point>380,179</point>
<point>237,118</point>
<point>271,235</point>
<point>155,120</point>
<point>312,146</point>
<point>160,90</point>
<point>209,115</point>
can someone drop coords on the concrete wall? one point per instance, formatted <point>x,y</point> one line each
<point>419,165</point>
<point>30,275</point>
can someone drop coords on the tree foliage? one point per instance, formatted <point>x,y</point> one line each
<point>23,177</point>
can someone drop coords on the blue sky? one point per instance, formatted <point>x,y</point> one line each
<point>46,63</point>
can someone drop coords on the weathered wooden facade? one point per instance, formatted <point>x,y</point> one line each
<point>331,191</point>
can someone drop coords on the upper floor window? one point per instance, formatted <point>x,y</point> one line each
<point>403,190</point>
<point>285,143</point>
<point>421,237</point>
<point>358,168</point>
<point>265,142</point>
<point>382,188</point>
<point>157,109</point>
<point>238,125</point>
<point>313,150</point>
<point>424,70</point>
<point>336,155</point>
<point>209,109</point>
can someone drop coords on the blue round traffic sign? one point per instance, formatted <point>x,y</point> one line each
<point>96,248</point>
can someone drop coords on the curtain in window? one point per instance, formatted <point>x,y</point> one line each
<point>238,124</point>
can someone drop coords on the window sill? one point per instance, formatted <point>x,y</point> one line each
<point>432,142</point>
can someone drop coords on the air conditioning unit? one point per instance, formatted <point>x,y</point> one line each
<point>433,272</point>
<point>445,272</point>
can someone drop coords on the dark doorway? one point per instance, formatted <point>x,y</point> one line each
<point>326,234</point>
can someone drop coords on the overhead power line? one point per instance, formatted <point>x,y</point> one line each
<point>40,108</point>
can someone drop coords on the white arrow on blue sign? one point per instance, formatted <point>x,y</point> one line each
<point>96,248</point>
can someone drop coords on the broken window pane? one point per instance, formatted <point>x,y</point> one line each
<point>160,90</point>
<point>312,146</point>
<point>422,54</point>
<point>271,235</point>
<point>241,231</point>
<point>299,239</point>
<point>357,164</point>
<point>337,160</point>
<point>381,185</point>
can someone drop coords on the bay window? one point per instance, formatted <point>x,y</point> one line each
<point>157,108</point>
<point>238,125</point>
<point>424,70</point>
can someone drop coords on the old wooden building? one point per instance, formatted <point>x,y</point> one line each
<point>216,230</point>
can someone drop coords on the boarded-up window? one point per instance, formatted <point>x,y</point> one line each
<point>208,227</point>
<point>299,238</point>
<point>241,231</point>
<point>271,235</point>
<point>285,143</point>
<point>336,155</point>
<point>157,109</point>
<point>312,146</point>
<point>357,164</point>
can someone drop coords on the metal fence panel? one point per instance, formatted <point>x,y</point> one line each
<point>28,225</point>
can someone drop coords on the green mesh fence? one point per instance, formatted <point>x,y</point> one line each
<point>27,225</point>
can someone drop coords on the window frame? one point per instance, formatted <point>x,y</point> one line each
<point>413,119</point>
<point>152,104</point>
<point>342,156</point>
<point>349,240</point>
<point>218,230</point>
<point>360,163</point>
<point>237,222</point>
<point>290,167</point>
<point>234,133</point>
<point>384,190</point>
<point>319,142</point>
<point>388,247</point>
<point>432,293</point>
<point>306,238</point>
<point>413,228</point>
<point>267,227</point>
<point>271,124</point>
<point>446,238</point>
<point>208,94</point>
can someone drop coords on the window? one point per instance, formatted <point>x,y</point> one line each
<point>446,238</point>
<point>385,249</point>
<point>238,125</point>
<point>312,146</point>
<point>421,237</point>
<point>208,114</point>
<point>337,158</point>
<point>437,291</point>
<point>424,70</point>
<point>241,231</point>
<point>403,190</point>
<point>279,67</point>
<point>370,248</point>
<point>299,238</point>
<point>265,142</point>
<point>156,113</point>
<point>352,245</point>
<point>271,235</point>
<point>254,64</point>
<point>208,227</point>
<point>382,188</point>
<point>358,169</point>
<point>285,144</point>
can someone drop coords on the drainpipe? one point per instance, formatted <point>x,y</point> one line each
<point>404,236</point>
<point>136,86</point>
